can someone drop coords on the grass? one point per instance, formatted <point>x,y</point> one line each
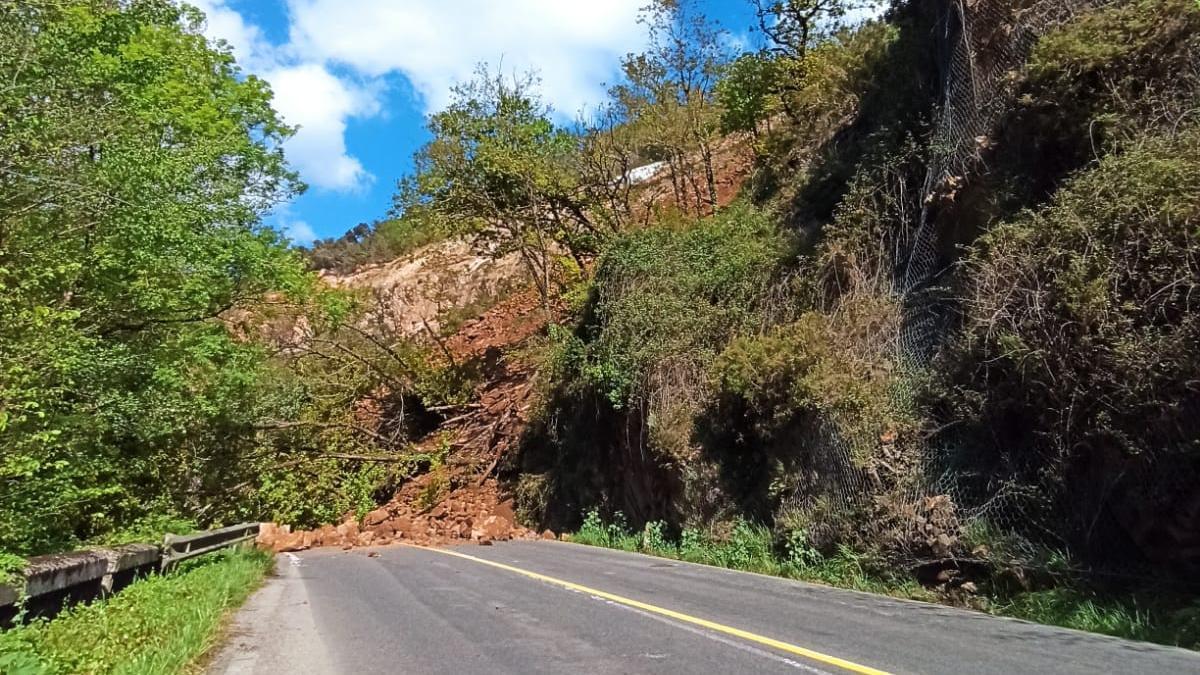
<point>161,624</point>
<point>751,548</point>
<point>1166,619</point>
<point>1161,616</point>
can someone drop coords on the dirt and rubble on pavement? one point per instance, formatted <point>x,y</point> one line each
<point>473,514</point>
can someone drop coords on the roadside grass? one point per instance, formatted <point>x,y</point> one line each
<point>1162,616</point>
<point>161,624</point>
<point>750,548</point>
<point>1166,619</point>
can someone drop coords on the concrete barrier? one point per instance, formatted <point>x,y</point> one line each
<point>127,563</point>
<point>8,605</point>
<point>52,582</point>
<point>55,581</point>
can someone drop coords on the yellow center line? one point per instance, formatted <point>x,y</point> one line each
<point>678,616</point>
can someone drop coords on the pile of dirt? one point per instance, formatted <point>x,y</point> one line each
<point>469,514</point>
<point>504,325</point>
<point>489,428</point>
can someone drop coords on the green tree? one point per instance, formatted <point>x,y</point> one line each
<point>135,162</point>
<point>668,96</point>
<point>747,92</point>
<point>499,167</point>
<point>794,28</point>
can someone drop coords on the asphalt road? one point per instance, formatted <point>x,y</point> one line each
<point>549,607</point>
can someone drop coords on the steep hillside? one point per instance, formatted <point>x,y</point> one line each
<point>944,336</point>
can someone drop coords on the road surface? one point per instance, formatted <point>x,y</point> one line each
<point>550,607</point>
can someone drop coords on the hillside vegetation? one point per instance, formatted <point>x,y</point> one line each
<point>1021,416</point>
<point>908,300</point>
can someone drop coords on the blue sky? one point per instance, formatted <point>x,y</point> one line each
<point>359,76</point>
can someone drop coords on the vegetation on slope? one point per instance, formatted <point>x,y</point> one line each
<point>1040,451</point>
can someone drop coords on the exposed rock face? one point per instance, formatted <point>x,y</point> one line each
<point>413,292</point>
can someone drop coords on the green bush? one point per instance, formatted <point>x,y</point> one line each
<point>746,92</point>
<point>1080,324</point>
<point>1116,72</point>
<point>1121,36</point>
<point>1087,306</point>
<point>616,534</point>
<point>662,293</point>
<point>838,366</point>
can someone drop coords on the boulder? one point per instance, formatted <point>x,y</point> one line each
<point>268,534</point>
<point>384,529</point>
<point>327,535</point>
<point>291,541</point>
<point>348,531</point>
<point>505,510</point>
<point>495,527</point>
<point>376,517</point>
<point>402,526</point>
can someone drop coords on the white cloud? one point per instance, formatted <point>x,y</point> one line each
<point>295,229</point>
<point>250,47</point>
<point>299,232</point>
<point>310,96</point>
<point>332,68</point>
<point>436,43</point>
<point>307,95</point>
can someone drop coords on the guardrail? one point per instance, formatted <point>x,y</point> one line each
<point>52,582</point>
<point>176,548</point>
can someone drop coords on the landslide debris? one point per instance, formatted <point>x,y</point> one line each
<point>469,514</point>
<point>459,501</point>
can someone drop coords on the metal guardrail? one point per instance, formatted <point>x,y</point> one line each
<point>51,582</point>
<point>176,548</point>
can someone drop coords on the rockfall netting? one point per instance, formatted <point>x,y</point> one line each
<point>933,499</point>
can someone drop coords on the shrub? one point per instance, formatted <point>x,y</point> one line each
<point>836,365</point>
<point>662,293</point>
<point>1088,305</point>
<point>531,498</point>
<point>654,539</point>
<point>1118,70</point>
<point>614,534</point>
<point>1079,358</point>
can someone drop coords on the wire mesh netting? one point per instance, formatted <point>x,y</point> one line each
<point>947,497</point>
<point>982,46</point>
